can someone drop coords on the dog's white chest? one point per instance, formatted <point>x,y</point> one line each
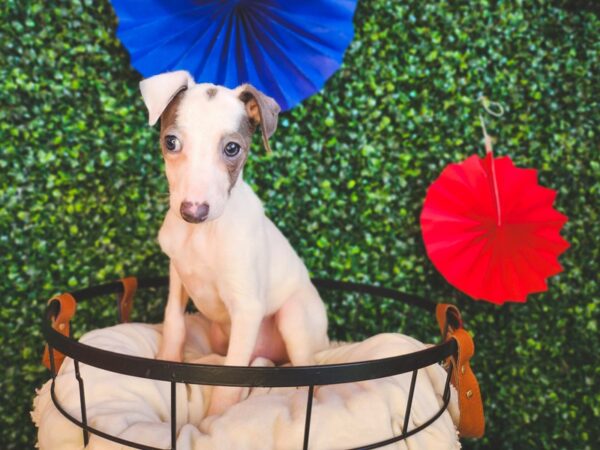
<point>202,289</point>
<point>194,257</point>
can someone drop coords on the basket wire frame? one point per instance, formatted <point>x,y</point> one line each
<point>307,376</point>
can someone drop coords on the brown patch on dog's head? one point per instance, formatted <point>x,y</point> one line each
<point>169,116</point>
<point>244,138</point>
<point>211,92</point>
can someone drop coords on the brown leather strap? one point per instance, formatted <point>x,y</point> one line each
<point>472,421</point>
<point>126,300</point>
<point>60,323</point>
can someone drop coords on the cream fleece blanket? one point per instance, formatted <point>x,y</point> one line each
<point>344,416</point>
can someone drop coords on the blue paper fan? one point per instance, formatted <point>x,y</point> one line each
<point>285,48</point>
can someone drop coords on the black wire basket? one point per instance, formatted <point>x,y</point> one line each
<point>60,344</point>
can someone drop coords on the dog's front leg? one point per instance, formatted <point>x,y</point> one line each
<point>173,337</point>
<point>245,325</point>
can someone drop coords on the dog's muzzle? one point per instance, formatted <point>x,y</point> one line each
<point>194,212</point>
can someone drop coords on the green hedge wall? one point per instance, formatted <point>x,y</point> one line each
<point>82,192</point>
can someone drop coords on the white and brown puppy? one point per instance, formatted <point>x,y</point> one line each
<point>225,254</point>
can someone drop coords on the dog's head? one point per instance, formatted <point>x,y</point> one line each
<point>205,136</point>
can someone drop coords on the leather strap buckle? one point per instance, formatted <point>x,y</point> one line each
<point>472,420</point>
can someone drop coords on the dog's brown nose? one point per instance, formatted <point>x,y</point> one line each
<point>194,212</point>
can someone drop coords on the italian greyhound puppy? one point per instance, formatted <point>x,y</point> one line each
<point>225,254</point>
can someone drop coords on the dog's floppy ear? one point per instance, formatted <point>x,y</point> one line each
<point>159,90</point>
<point>262,110</point>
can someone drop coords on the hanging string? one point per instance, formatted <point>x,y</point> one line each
<point>495,109</point>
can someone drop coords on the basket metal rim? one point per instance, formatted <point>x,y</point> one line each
<point>206,374</point>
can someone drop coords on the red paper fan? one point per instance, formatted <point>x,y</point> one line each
<point>491,230</point>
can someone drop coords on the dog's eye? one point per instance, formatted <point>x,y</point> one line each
<point>172,143</point>
<point>232,149</point>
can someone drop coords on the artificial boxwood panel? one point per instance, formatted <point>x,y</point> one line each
<point>82,193</point>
